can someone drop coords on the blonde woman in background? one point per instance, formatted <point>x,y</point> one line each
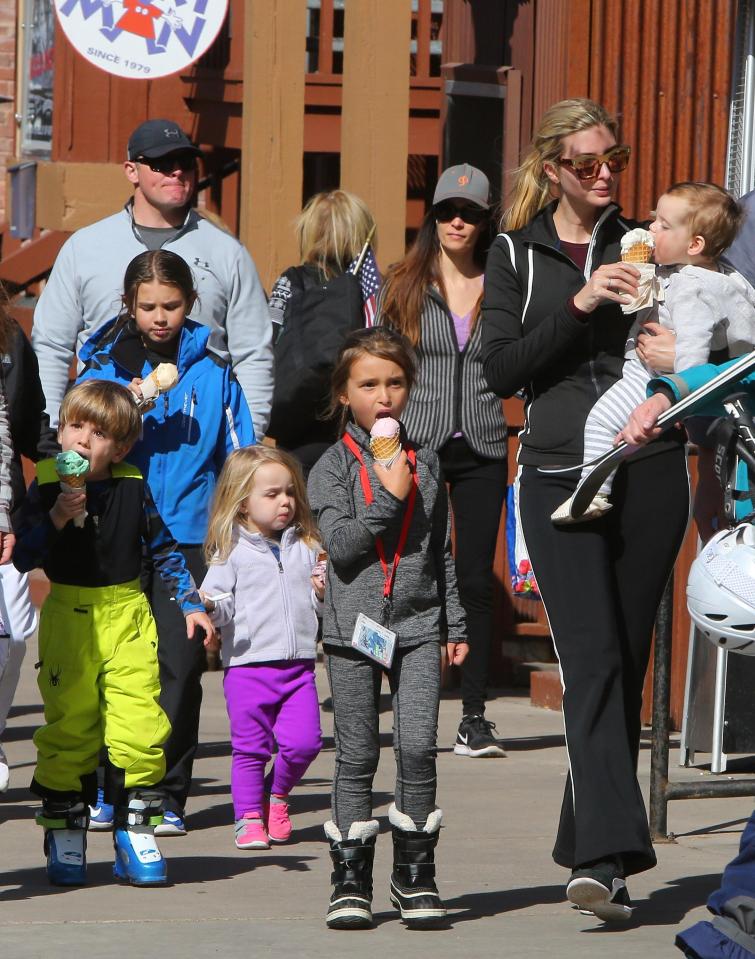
<point>313,306</point>
<point>552,326</point>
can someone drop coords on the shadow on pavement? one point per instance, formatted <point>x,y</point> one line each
<point>25,710</point>
<point>32,883</point>
<point>478,905</point>
<point>20,734</point>
<point>666,906</point>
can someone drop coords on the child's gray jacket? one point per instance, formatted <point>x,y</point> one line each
<point>425,603</point>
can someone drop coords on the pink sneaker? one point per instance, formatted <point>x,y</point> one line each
<point>250,832</point>
<point>278,822</point>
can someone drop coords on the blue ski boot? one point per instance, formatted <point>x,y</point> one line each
<point>65,824</point>
<point>137,858</point>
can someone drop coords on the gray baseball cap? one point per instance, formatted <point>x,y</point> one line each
<point>463,182</point>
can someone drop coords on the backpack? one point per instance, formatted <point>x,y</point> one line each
<point>319,316</point>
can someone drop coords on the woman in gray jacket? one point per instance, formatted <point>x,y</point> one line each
<point>434,297</point>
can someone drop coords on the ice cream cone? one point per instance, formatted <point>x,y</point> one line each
<point>638,253</point>
<point>163,378</point>
<point>321,566</point>
<point>637,246</point>
<point>385,440</point>
<point>385,448</point>
<point>72,470</point>
<point>72,482</point>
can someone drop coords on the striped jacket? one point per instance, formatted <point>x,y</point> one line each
<point>450,394</point>
<point>6,458</point>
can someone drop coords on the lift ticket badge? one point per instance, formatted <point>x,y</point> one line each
<point>139,39</point>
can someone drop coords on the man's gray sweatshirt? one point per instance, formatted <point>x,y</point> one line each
<point>426,603</point>
<point>86,283</point>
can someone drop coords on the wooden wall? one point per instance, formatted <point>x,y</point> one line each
<point>664,66</point>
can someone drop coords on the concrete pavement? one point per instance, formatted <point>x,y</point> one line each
<point>504,893</point>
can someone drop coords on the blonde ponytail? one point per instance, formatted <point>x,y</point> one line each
<point>532,189</point>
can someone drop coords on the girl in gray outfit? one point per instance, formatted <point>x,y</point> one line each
<point>388,536</point>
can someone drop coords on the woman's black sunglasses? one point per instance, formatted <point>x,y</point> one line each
<point>185,162</point>
<point>448,210</point>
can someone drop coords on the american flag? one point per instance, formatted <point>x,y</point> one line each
<point>369,281</point>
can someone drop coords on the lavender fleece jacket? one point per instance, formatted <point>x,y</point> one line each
<point>271,612</point>
<point>426,602</point>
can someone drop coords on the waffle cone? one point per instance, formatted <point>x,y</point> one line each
<point>637,253</point>
<point>74,482</point>
<point>385,448</point>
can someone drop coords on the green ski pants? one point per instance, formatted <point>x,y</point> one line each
<point>99,680</point>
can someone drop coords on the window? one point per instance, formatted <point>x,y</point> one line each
<point>740,161</point>
<point>37,19</point>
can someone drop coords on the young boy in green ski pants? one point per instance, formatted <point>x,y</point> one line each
<point>98,672</point>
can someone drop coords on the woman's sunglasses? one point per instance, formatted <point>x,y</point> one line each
<point>587,166</point>
<point>446,211</point>
<point>185,162</point>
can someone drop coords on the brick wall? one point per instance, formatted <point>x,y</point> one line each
<point>7,89</point>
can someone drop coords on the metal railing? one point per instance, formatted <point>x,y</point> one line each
<point>661,790</point>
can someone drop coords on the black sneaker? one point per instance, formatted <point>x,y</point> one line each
<point>475,738</point>
<point>600,889</point>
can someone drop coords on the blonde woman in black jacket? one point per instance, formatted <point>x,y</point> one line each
<point>433,296</point>
<point>552,326</point>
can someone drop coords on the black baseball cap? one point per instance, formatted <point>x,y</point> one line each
<point>157,138</point>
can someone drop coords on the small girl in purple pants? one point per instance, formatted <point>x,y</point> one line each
<point>264,593</point>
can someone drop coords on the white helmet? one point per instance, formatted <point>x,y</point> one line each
<point>721,590</point>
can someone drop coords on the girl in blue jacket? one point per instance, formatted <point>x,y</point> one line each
<point>187,436</point>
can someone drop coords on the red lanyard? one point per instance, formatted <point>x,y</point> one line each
<point>389,574</point>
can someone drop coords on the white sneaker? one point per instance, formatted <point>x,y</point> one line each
<point>4,772</point>
<point>598,507</point>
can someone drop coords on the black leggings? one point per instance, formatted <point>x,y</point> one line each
<point>182,662</point>
<point>478,488</point>
<point>601,583</point>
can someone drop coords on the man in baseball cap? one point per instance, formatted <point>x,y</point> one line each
<point>84,288</point>
<point>84,292</point>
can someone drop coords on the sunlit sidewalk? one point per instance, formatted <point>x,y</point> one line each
<point>505,896</point>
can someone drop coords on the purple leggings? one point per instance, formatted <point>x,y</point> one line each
<point>270,703</point>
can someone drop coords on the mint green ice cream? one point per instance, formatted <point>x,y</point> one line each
<point>71,463</point>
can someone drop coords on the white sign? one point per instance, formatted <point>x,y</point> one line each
<point>141,39</point>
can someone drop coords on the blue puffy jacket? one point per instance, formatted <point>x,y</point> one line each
<point>191,430</point>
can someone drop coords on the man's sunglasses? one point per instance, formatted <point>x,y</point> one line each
<point>185,162</point>
<point>587,166</point>
<point>446,211</point>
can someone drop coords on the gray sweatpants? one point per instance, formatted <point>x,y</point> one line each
<point>355,681</point>
<point>611,412</point>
